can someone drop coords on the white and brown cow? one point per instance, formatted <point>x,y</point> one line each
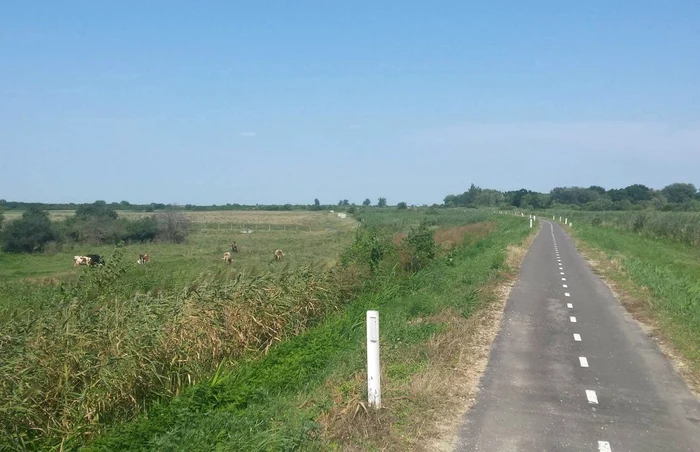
<point>227,257</point>
<point>80,260</point>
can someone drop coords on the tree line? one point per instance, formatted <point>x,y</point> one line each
<point>159,207</point>
<point>95,223</point>
<point>673,197</point>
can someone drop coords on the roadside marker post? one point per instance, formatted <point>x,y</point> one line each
<point>373,370</point>
<point>530,223</point>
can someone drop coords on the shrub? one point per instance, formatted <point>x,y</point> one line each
<point>173,227</point>
<point>30,233</point>
<point>368,249</point>
<point>401,205</point>
<point>142,230</point>
<point>418,248</point>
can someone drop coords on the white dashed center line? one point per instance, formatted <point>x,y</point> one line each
<point>563,279</point>
<point>583,361</point>
<point>567,294</point>
<point>565,286</point>
<point>577,337</point>
<point>569,305</point>
<point>604,446</point>
<point>572,319</point>
<point>592,397</point>
<point>561,273</point>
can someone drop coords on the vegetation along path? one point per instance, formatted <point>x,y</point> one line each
<point>571,370</point>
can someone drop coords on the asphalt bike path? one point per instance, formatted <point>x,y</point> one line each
<point>570,370</point>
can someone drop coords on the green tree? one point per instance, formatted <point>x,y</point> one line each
<point>381,202</point>
<point>679,193</point>
<point>317,205</point>
<point>98,209</point>
<point>30,233</point>
<point>401,205</point>
<point>366,202</point>
<point>638,192</point>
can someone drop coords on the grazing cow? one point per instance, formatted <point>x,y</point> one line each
<point>234,247</point>
<point>94,259</point>
<point>80,260</point>
<point>143,258</point>
<point>227,257</point>
<point>278,255</point>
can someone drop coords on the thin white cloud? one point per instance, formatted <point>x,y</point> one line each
<point>355,126</point>
<point>249,134</point>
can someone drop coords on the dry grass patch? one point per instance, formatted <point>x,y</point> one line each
<point>448,238</point>
<point>453,237</point>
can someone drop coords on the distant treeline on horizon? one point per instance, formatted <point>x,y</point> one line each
<point>673,197</point>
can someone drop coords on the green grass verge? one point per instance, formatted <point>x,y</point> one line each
<point>275,402</point>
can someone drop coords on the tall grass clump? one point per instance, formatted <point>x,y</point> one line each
<point>87,355</point>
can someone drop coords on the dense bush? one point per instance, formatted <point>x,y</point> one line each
<point>418,248</point>
<point>95,223</point>
<point>28,234</point>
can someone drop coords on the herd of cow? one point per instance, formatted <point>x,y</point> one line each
<point>95,259</point>
<point>277,255</point>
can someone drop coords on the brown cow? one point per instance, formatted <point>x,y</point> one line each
<point>278,255</point>
<point>234,247</point>
<point>143,258</point>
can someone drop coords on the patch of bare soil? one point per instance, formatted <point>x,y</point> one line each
<point>638,302</point>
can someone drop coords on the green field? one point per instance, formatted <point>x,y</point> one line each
<point>84,349</point>
<point>304,237</point>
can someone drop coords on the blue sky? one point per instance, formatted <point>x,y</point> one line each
<point>276,102</point>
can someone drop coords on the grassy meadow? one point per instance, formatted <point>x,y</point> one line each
<point>138,357</point>
<point>303,236</point>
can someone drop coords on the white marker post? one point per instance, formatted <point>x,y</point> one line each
<point>570,224</point>
<point>566,221</point>
<point>534,217</point>
<point>373,384</point>
<point>559,219</point>
<point>552,217</point>
<point>530,223</point>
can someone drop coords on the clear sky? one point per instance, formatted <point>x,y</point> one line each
<point>276,102</point>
